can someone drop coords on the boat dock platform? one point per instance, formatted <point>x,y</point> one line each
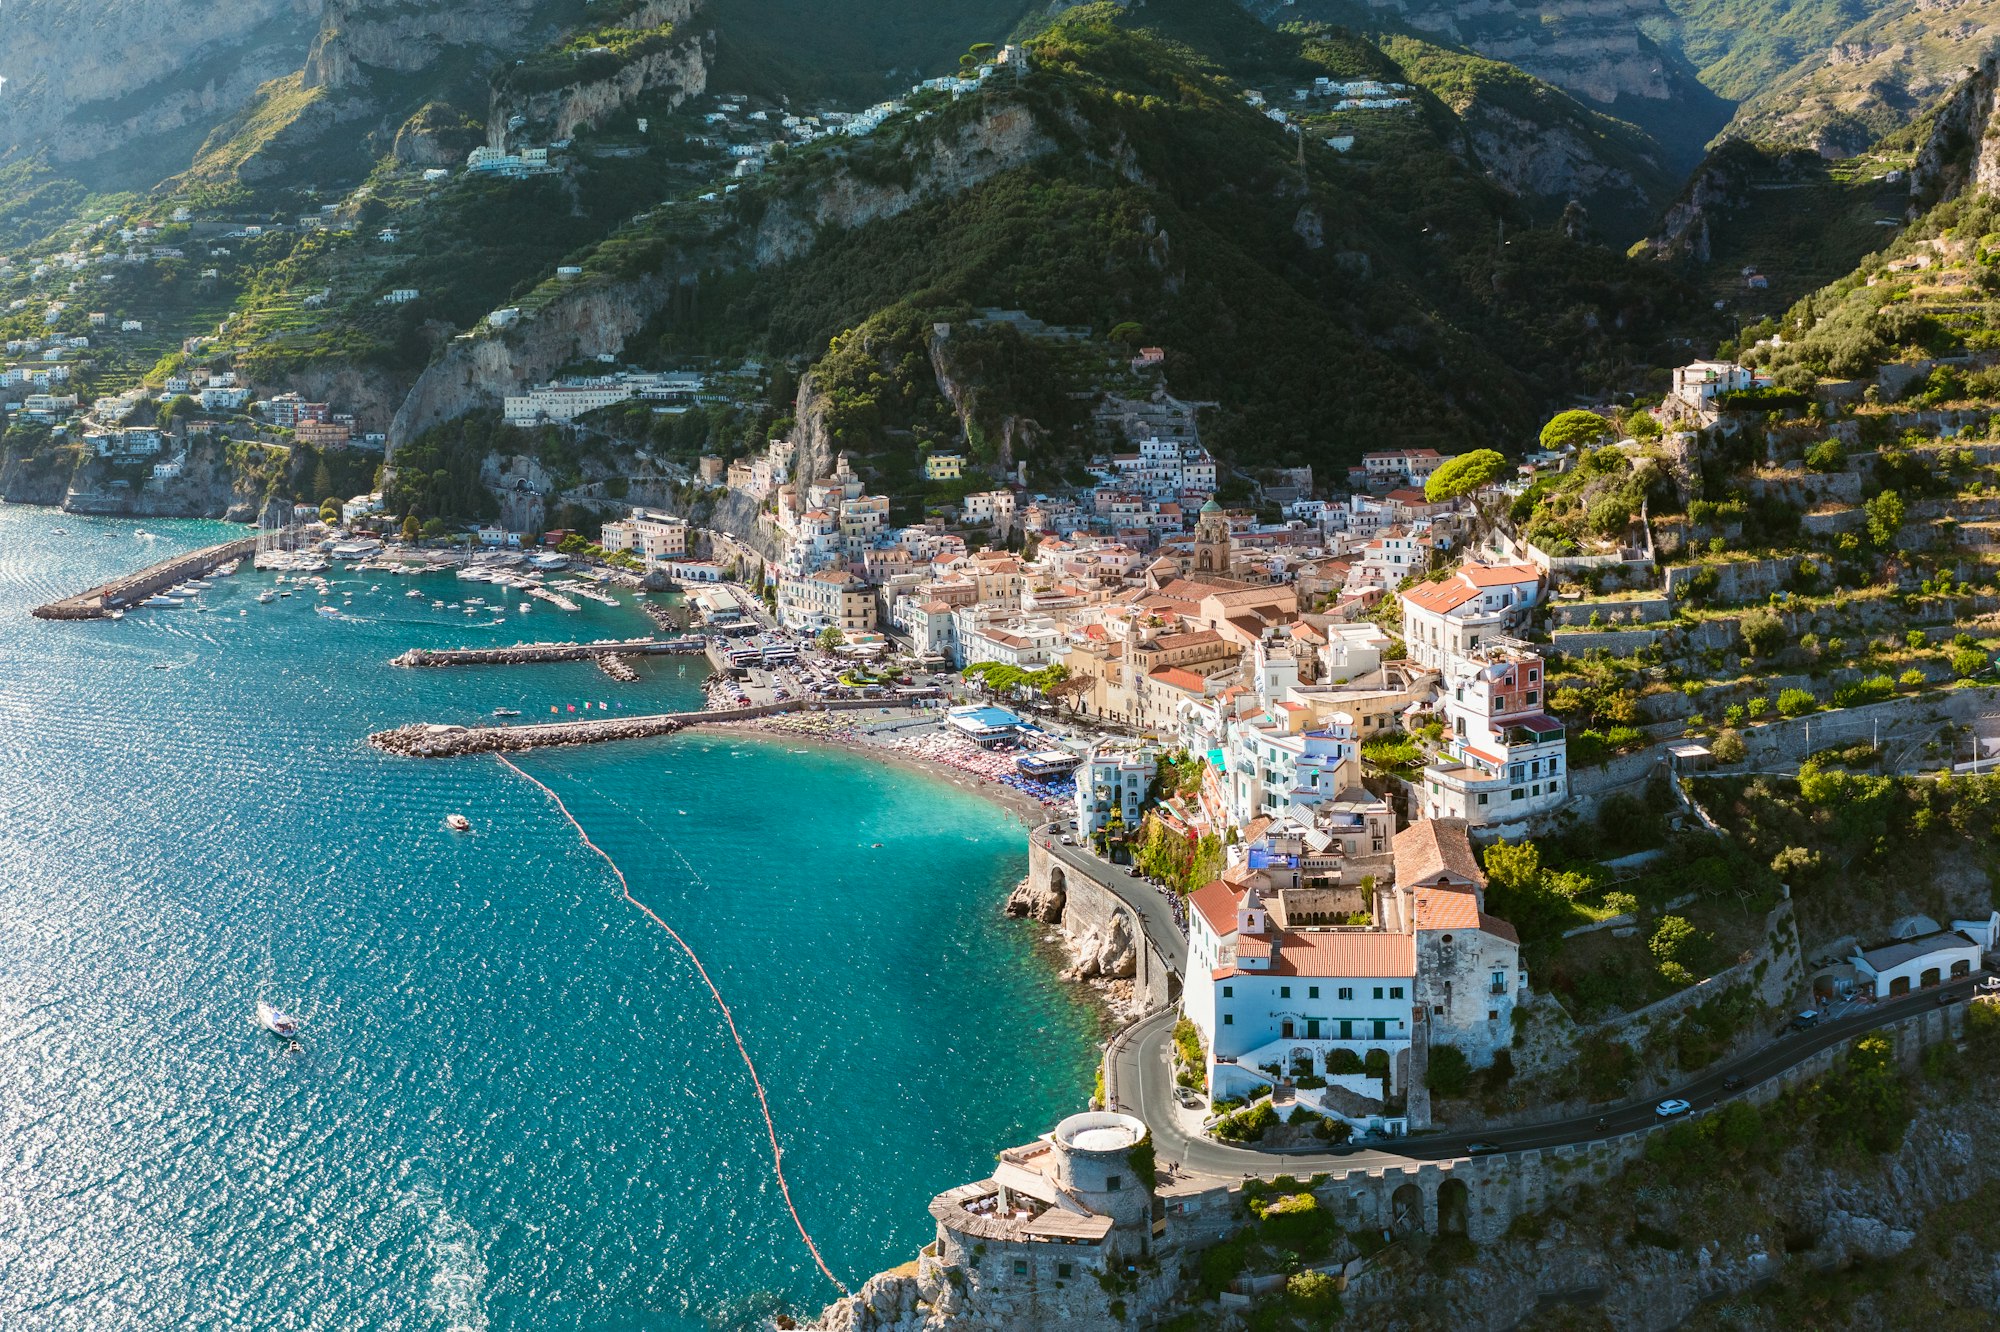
<point>120,593</point>
<point>522,654</point>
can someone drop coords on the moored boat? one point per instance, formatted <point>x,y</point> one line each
<point>276,1020</point>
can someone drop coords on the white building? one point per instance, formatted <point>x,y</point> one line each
<point>990,508</point>
<point>1504,758</point>
<point>361,506</point>
<point>1700,383</point>
<point>654,536</point>
<point>1478,602</point>
<point>1274,997</point>
<point>1112,785</point>
<point>1893,969</point>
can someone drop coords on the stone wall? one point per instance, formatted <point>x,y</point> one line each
<point>1736,582</point>
<point>1618,642</point>
<point>1103,927</point>
<point>1630,610</point>
<point>1775,970</point>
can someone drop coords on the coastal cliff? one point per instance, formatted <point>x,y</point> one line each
<point>597,316</point>
<point>679,71</point>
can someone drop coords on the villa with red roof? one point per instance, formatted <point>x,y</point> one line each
<point>1479,601</point>
<point>1269,992</point>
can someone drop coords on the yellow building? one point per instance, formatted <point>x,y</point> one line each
<point>944,466</point>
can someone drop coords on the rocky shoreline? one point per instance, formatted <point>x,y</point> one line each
<point>1104,960</point>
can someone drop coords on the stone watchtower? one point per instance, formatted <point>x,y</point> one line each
<point>1094,1162</point>
<point>1211,541</point>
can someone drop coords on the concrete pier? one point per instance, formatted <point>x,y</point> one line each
<point>132,589</point>
<point>524,653</point>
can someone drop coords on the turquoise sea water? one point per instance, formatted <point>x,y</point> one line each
<point>516,1106</point>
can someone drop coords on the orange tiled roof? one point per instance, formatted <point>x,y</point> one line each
<point>1217,905</point>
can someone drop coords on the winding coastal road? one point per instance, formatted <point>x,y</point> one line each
<point>1155,915</point>
<point>1140,1075</point>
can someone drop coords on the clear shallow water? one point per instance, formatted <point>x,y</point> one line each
<point>516,1106</point>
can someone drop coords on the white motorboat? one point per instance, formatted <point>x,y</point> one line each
<point>506,712</point>
<point>276,1020</point>
<point>267,596</point>
<point>458,823</point>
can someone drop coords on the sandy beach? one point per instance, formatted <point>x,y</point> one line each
<point>831,730</point>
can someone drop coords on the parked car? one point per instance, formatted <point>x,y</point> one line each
<point>1671,1107</point>
<point>1809,1018</point>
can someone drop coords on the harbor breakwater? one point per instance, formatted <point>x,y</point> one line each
<point>521,654</point>
<point>439,740</point>
<point>119,593</point>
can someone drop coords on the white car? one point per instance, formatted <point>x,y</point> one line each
<point>1671,1107</point>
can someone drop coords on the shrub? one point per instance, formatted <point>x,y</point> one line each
<point>1872,690</point>
<point>1913,679</point>
<point>1450,1072</point>
<point>1728,747</point>
<point>1343,1063</point>
<point>1757,707</point>
<point>1314,1294</point>
<point>1795,864</point>
<point>1680,949</point>
<point>1796,703</point>
<point>1763,633</point>
<point>1247,1125</point>
<point>1826,456</point>
<point>1967,662</point>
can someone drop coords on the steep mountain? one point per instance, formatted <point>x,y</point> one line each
<point>1124,181</point>
<point>1830,75</point>
<point>1757,228</point>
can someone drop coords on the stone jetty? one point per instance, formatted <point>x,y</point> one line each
<point>619,669</point>
<point>428,740</point>
<point>132,589</point>
<point>524,653</point>
<point>436,740</point>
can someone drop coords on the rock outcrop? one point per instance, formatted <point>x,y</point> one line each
<point>675,72</point>
<point>1959,152</point>
<point>1043,903</point>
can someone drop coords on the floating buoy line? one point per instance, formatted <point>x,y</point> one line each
<point>763,1101</point>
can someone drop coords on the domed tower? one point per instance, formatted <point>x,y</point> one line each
<point>1097,1162</point>
<point>1211,541</point>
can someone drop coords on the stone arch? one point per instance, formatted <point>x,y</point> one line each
<point>1454,1207</point>
<point>1406,1208</point>
<point>1930,977</point>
